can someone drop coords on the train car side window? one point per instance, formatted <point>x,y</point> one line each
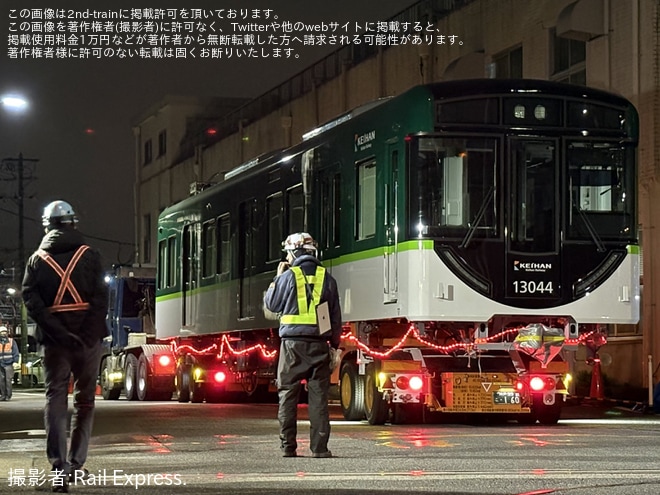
<point>295,209</point>
<point>224,251</point>
<point>162,264</point>
<point>365,211</point>
<point>274,213</point>
<point>209,249</point>
<point>171,261</point>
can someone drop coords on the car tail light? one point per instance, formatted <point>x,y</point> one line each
<point>414,383</point>
<point>537,384</point>
<point>219,376</point>
<point>164,360</point>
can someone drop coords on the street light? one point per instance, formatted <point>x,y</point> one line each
<point>14,103</point>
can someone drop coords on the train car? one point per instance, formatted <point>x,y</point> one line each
<point>477,230</point>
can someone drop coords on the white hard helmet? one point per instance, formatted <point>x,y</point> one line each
<point>58,213</point>
<point>4,329</point>
<point>300,241</point>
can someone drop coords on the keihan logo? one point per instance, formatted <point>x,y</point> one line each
<point>531,267</point>
<point>363,141</point>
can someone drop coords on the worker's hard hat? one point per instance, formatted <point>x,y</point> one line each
<point>3,329</point>
<point>300,241</point>
<point>58,213</point>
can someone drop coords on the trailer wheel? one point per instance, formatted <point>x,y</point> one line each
<point>183,383</point>
<point>376,408</point>
<point>130,377</point>
<point>108,390</point>
<point>406,414</point>
<point>548,414</point>
<point>351,392</point>
<point>196,392</point>
<point>145,389</point>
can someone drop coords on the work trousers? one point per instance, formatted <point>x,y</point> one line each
<point>59,364</point>
<point>310,361</point>
<point>6,379</point>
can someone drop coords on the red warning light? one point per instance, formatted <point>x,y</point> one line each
<point>211,131</point>
<point>219,376</point>
<point>164,360</point>
<point>89,131</point>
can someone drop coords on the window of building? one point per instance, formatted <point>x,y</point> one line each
<point>148,152</point>
<point>509,64</point>
<point>365,211</point>
<point>146,238</point>
<point>569,60</point>
<point>209,250</point>
<point>162,142</point>
<point>275,226</point>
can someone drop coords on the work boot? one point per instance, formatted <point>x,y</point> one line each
<point>322,455</point>
<point>60,481</point>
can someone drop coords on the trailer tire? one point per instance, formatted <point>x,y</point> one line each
<point>197,392</point>
<point>130,377</point>
<point>108,390</point>
<point>548,415</point>
<point>376,408</point>
<point>183,383</point>
<point>351,392</point>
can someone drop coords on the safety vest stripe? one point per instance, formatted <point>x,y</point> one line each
<point>69,307</point>
<point>306,311</point>
<point>7,347</point>
<point>65,281</point>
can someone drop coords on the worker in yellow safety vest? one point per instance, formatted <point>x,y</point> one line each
<point>306,297</point>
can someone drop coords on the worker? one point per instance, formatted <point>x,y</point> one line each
<point>65,294</point>
<point>306,350</point>
<point>8,356</point>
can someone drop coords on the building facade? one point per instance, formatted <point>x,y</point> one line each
<point>607,44</point>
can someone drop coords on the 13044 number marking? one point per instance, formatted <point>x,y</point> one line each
<point>532,287</point>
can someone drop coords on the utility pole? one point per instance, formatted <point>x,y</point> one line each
<point>20,175</point>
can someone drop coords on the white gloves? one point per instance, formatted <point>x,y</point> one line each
<point>335,358</point>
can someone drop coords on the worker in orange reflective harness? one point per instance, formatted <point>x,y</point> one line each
<point>66,296</point>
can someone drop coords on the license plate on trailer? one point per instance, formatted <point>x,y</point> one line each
<point>501,397</point>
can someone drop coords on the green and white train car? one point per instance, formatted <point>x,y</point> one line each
<point>475,228</point>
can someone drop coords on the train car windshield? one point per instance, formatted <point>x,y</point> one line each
<point>602,185</point>
<point>453,183</point>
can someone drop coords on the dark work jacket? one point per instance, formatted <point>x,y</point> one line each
<point>282,297</point>
<point>41,283</point>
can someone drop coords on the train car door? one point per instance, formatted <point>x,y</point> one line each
<point>391,283</point>
<point>533,263</point>
<point>245,257</point>
<point>191,275</point>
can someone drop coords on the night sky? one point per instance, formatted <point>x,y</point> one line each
<point>79,122</point>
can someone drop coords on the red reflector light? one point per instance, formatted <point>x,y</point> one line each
<point>164,360</point>
<point>219,376</point>
<point>416,383</point>
<point>520,386</point>
<point>537,384</point>
<point>402,382</point>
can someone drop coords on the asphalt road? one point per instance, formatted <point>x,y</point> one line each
<point>172,448</point>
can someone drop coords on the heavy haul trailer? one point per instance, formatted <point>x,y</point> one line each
<point>477,230</point>
<point>134,361</point>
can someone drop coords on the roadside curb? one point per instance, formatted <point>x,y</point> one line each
<point>633,406</point>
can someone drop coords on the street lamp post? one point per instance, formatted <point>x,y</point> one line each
<point>18,104</point>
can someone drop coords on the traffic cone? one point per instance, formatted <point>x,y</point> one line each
<point>596,380</point>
